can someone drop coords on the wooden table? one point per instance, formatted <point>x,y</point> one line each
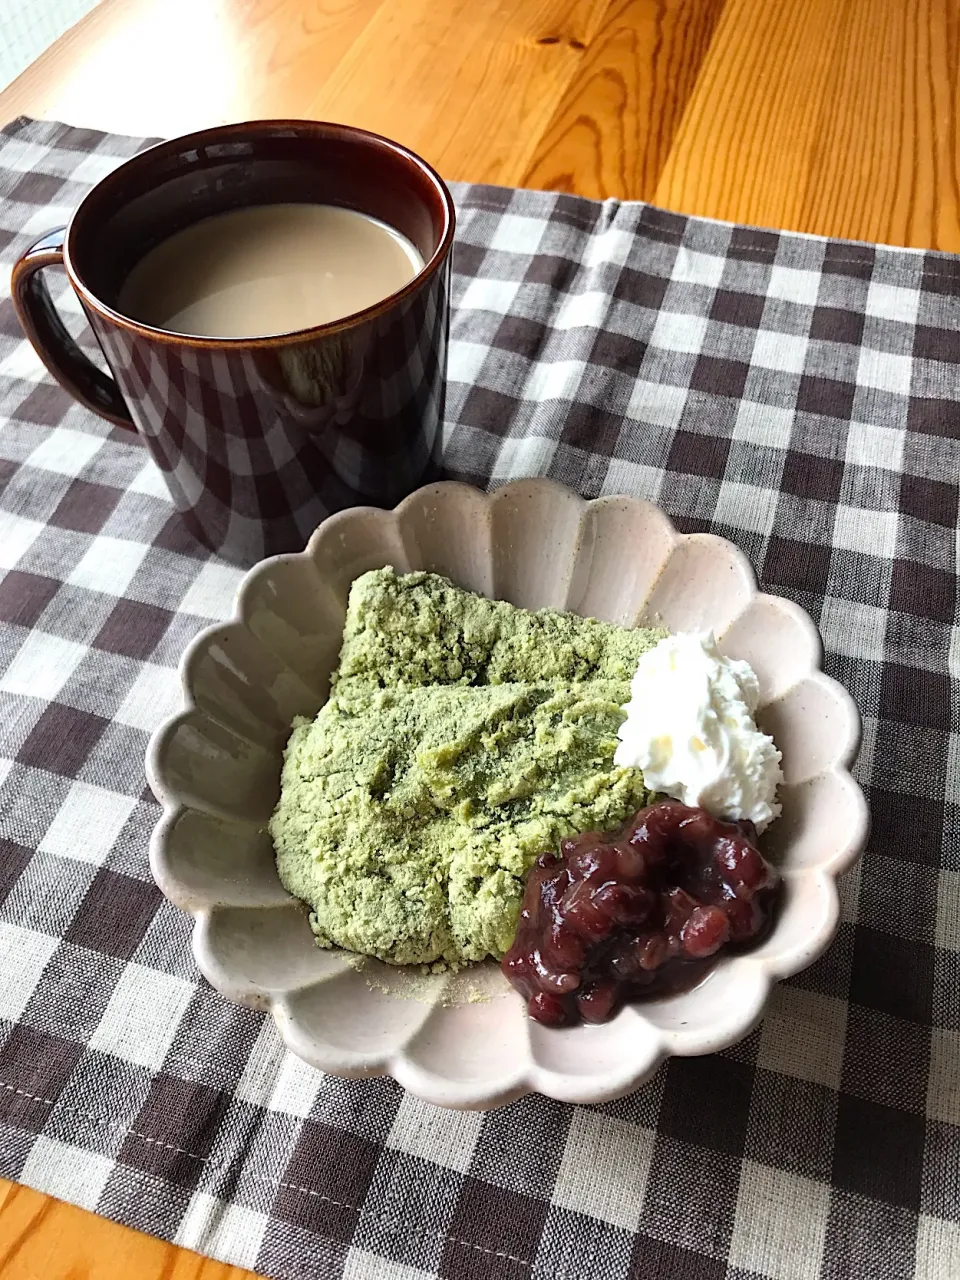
<point>830,116</point>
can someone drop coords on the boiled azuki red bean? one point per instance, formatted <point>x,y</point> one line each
<point>637,913</point>
<point>705,931</point>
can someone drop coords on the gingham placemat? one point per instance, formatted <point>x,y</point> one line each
<point>798,395</point>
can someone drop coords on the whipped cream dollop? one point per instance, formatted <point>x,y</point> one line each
<point>690,730</point>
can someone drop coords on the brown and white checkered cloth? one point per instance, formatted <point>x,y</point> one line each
<point>798,395</point>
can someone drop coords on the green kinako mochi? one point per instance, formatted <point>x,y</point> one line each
<point>462,738</point>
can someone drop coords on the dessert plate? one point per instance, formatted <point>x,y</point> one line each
<point>466,1041</point>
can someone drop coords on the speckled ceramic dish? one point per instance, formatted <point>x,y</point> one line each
<point>215,768</point>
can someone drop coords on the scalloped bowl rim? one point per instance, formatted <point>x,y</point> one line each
<point>758,972</point>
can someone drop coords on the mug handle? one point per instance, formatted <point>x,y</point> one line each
<point>74,371</point>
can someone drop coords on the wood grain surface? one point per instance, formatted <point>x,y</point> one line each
<point>611,131</point>
<point>829,116</point>
<point>44,1239</point>
<point>832,116</point>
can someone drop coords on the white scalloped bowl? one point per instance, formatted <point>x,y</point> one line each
<point>215,769</point>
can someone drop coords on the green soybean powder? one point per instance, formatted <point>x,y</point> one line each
<point>462,738</point>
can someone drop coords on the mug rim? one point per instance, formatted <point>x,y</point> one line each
<point>320,129</point>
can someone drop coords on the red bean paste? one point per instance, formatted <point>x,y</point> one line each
<point>637,914</point>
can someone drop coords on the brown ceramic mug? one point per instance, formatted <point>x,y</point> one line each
<point>258,438</point>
